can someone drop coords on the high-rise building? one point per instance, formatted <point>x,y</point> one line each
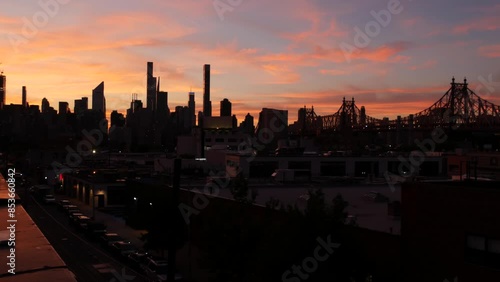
<point>81,105</point>
<point>225,108</point>
<point>235,122</point>
<point>63,108</point>
<point>162,102</point>
<point>192,108</point>
<point>135,104</point>
<point>272,125</point>
<point>117,119</point>
<point>25,102</point>
<point>45,105</point>
<point>207,104</point>
<point>98,100</point>
<point>200,119</point>
<point>247,125</point>
<point>3,81</point>
<point>151,88</point>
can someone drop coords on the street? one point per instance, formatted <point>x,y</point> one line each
<point>86,259</point>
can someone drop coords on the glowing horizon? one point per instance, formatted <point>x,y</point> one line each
<point>262,54</point>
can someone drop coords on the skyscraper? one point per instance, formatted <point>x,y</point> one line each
<point>98,100</point>
<point>192,109</point>
<point>207,104</point>
<point>272,126</point>
<point>81,105</point>
<point>151,88</point>
<point>135,104</point>
<point>117,119</point>
<point>247,125</point>
<point>63,108</point>
<point>45,105</point>
<point>162,102</point>
<point>25,103</point>
<point>3,81</point>
<point>225,108</point>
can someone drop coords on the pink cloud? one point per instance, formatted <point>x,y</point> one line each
<point>282,74</point>
<point>384,53</point>
<point>482,24</point>
<point>491,51</point>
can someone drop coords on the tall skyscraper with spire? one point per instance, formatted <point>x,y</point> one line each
<point>98,99</point>
<point>207,104</point>
<point>151,88</point>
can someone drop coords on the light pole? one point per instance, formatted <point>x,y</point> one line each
<point>93,202</point>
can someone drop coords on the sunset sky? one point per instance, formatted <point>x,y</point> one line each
<point>277,54</point>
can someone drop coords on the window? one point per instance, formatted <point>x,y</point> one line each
<point>208,139</point>
<point>482,250</point>
<point>232,140</point>
<point>219,140</point>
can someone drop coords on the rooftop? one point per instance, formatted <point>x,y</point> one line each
<point>35,259</point>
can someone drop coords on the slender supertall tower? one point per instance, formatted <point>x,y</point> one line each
<point>3,81</point>
<point>207,104</point>
<point>25,103</point>
<point>151,88</point>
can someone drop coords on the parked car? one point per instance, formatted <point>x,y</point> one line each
<point>94,230</point>
<point>155,269</point>
<point>40,191</point>
<point>138,258</point>
<point>122,248</point>
<point>81,221</point>
<point>67,207</point>
<point>49,199</point>
<point>109,238</point>
<point>73,215</point>
<point>71,209</point>
<point>62,203</point>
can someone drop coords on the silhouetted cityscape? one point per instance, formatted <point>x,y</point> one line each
<point>384,174</point>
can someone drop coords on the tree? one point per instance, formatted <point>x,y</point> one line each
<point>240,190</point>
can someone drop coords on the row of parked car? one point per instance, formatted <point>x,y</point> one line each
<point>155,268</point>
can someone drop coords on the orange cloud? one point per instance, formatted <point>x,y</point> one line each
<point>384,53</point>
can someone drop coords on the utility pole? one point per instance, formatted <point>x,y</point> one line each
<point>173,226</point>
